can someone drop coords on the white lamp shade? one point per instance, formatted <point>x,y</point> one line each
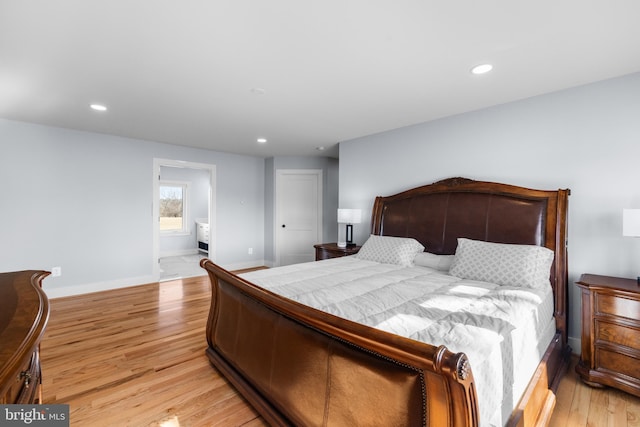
<point>349,216</point>
<point>631,222</point>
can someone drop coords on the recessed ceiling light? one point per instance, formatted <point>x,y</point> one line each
<point>98,107</point>
<point>320,148</point>
<point>262,140</point>
<point>258,91</point>
<point>482,68</point>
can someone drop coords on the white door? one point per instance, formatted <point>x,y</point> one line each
<point>298,215</point>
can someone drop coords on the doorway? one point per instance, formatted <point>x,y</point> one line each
<point>298,215</point>
<point>183,261</point>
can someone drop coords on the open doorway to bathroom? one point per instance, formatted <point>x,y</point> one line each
<point>184,220</point>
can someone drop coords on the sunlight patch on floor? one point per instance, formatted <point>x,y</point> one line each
<point>171,422</point>
<point>181,267</point>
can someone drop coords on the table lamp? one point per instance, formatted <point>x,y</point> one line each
<point>349,217</point>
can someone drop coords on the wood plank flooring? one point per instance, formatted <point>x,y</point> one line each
<point>135,357</point>
<point>578,405</point>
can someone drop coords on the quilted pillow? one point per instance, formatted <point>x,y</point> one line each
<point>504,264</point>
<point>390,250</point>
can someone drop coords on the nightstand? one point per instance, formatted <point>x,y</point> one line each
<point>332,250</point>
<point>610,332</point>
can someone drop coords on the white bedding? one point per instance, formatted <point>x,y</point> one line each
<point>504,330</point>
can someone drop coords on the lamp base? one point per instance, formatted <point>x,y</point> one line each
<point>638,280</point>
<point>342,244</point>
<point>349,235</point>
<point>350,245</point>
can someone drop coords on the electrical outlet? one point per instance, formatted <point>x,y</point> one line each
<point>250,251</point>
<point>56,272</point>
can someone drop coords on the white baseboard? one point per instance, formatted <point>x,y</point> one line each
<point>66,291</point>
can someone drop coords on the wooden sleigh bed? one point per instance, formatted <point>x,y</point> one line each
<point>300,366</point>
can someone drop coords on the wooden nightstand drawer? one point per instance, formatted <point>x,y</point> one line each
<point>618,363</point>
<point>617,334</point>
<point>618,306</point>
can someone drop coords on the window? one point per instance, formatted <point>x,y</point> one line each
<point>173,207</point>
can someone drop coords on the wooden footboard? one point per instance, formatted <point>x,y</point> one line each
<point>300,366</point>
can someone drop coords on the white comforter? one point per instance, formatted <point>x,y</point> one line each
<point>503,330</point>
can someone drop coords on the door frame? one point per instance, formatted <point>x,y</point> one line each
<point>278,191</point>
<point>155,207</point>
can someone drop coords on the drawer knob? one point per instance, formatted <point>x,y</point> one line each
<point>27,378</point>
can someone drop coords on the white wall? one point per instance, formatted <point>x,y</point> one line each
<point>83,201</point>
<point>586,139</point>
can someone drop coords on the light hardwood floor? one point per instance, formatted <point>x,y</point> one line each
<point>135,357</point>
<point>578,405</point>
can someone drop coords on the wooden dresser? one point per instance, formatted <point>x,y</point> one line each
<point>610,332</point>
<point>24,311</point>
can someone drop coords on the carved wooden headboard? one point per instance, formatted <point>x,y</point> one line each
<point>437,214</point>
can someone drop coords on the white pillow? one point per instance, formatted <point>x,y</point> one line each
<point>390,250</point>
<point>435,261</point>
<point>504,264</point>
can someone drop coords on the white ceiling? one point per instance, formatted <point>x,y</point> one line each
<point>303,74</point>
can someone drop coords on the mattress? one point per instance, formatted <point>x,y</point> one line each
<point>504,330</point>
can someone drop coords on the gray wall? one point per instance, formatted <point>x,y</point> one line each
<point>83,201</point>
<point>586,139</point>
<point>330,177</point>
